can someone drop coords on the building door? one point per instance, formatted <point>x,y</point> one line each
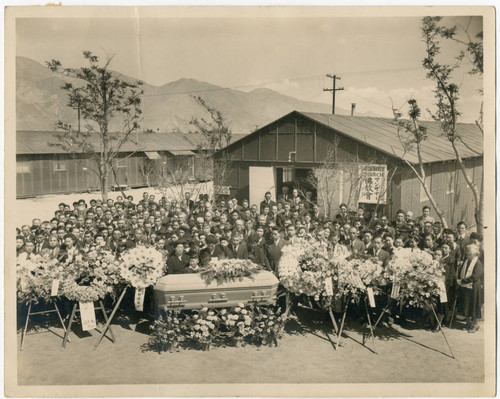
<point>261,179</point>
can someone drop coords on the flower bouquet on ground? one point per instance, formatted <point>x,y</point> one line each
<point>415,276</point>
<point>35,277</point>
<point>307,268</point>
<point>228,270</point>
<point>168,332</point>
<point>203,327</point>
<point>237,323</point>
<point>268,326</point>
<point>141,267</point>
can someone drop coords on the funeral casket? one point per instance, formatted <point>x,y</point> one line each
<point>189,291</point>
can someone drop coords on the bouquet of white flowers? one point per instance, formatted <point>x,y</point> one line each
<point>35,277</point>
<point>416,277</point>
<point>227,270</point>
<point>307,268</point>
<point>142,266</point>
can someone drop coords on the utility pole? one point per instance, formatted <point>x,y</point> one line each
<point>333,90</point>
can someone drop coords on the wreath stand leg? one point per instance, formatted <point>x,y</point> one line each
<point>442,332</point>
<point>288,308</point>
<point>25,325</point>
<point>108,321</point>
<point>113,339</point>
<point>453,310</point>
<point>370,324</point>
<point>384,311</point>
<point>66,335</point>
<point>44,312</point>
<point>343,321</point>
<point>334,322</point>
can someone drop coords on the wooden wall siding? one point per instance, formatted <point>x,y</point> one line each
<point>309,140</point>
<point>44,179</point>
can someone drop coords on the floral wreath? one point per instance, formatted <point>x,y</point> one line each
<point>417,275</point>
<point>96,291</point>
<point>86,280</point>
<point>306,268</point>
<point>356,275</point>
<point>142,266</point>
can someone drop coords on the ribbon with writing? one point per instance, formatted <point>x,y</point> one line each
<point>329,286</point>
<point>442,292</point>
<point>87,314</point>
<point>139,299</point>
<point>395,289</point>
<point>371,297</point>
<point>54,289</point>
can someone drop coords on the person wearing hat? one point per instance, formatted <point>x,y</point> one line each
<point>212,249</point>
<point>178,262</point>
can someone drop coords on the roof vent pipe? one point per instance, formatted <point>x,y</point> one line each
<point>353,108</point>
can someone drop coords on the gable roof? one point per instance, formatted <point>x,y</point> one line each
<point>381,134</point>
<point>36,142</point>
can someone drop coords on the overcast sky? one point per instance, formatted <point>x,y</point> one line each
<point>377,58</point>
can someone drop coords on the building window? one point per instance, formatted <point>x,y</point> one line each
<point>23,167</point>
<point>60,166</point>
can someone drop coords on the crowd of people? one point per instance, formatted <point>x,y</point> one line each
<point>190,233</point>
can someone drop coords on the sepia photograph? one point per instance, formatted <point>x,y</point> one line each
<point>250,201</point>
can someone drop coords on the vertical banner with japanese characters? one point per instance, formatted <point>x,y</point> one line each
<point>373,181</point>
<point>87,313</point>
<point>139,299</point>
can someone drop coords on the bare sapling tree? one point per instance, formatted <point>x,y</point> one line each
<point>217,135</point>
<point>175,179</point>
<point>331,177</point>
<point>447,94</point>
<point>104,100</point>
<point>411,136</point>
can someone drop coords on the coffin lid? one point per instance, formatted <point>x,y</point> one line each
<point>193,282</point>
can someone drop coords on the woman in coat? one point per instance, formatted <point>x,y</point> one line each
<point>469,280</point>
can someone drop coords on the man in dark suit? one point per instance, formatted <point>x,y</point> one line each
<point>40,242</point>
<point>267,201</point>
<point>239,248</point>
<point>378,253</point>
<point>354,244</point>
<point>274,249</point>
<point>178,262</point>
<point>284,197</point>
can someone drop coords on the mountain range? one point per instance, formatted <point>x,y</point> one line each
<point>41,102</point>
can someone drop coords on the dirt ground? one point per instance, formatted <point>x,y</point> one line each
<point>305,355</point>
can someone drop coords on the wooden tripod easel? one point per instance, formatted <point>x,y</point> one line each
<point>44,312</point>
<point>339,335</point>
<point>111,316</point>
<point>73,314</point>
